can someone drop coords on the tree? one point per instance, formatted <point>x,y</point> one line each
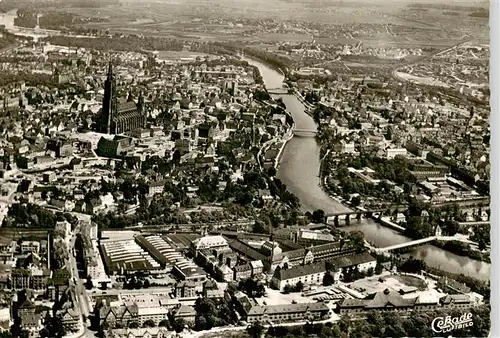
<point>133,325</point>
<point>328,279</point>
<point>318,216</point>
<point>179,325</point>
<point>356,200</point>
<point>451,228</point>
<point>299,286</point>
<point>176,157</point>
<point>255,330</point>
<point>412,265</point>
<point>252,288</point>
<point>138,284</point>
<point>149,323</point>
<point>357,241</point>
<point>259,228</point>
<point>164,323</point>
<point>369,272</point>
<point>55,327</point>
<point>271,172</point>
<point>200,323</point>
<point>89,285</point>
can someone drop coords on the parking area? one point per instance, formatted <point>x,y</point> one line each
<point>274,297</point>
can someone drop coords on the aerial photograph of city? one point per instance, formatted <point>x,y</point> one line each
<point>244,168</point>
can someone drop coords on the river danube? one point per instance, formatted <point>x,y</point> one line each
<point>299,170</point>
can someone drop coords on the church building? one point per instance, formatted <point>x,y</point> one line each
<point>117,115</point>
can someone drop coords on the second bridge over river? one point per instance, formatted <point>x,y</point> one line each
<point>419,242</point>
<point>304,133</point>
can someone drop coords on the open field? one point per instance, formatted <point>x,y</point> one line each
<point>393,282</point>
<point>178,54</point>
<point>154,14</point>
<point>410,281</point>
<point>421,80</point>
<point>277,37</point>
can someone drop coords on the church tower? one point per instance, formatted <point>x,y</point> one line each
<point>108,102</point>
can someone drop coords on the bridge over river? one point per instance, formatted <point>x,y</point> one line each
<point>277,91</point>
<point>359,212</point>
<point>419,242</point>
<point>304,133</point>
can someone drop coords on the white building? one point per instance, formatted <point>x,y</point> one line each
<point>156,314</point>
<point>156,188</point>
<point>225,272</point>
<point>306,274</point>
<point>209,242</point>
<point>347,147</point>
<point>30,247</point>
<point>393,152</point>
<point>363,262</point>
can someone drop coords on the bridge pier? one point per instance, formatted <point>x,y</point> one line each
<point>347,219</point>
<point>369,214</point>
<point>336,221</point>
<point>358,216</point>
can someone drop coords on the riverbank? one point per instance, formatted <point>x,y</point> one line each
<point>463,249</point>
<point>299,168</point>
<point>284,139</point>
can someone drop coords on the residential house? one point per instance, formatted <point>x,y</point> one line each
<point>70,317</point>
<point>186,313</point>
<point>156,187</point>
<point>224,273</point>
<point>185,289</point>
<point>306,274</point>
<point>30,320</point>
<point>287,313</point>
<point>30,247</point>
<point>212,290</point>
<point>150,332</point>
<point>32,278</point>
<point>362,262</point>
<point>243,271</point>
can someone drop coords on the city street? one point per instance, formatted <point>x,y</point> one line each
<point>78,291</point>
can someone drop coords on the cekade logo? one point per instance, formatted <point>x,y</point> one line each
<point>448,323</point>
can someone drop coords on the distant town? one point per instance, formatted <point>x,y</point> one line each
<point>169,187</point>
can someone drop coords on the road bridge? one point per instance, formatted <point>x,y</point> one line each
<point>277,91</point>
<point>422,241</point>
<point>407,244</point>
<point>304,133</point>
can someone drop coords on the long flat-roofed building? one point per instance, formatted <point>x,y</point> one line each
<point>168,257</point>
<point>125,256</point>
<point>162,251</point>
<point>189,271</point>
<point>288,312</point>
